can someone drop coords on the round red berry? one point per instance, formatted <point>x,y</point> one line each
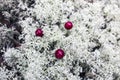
<point>59,54</point>
<point>68,25</point>
<point>39,32</point>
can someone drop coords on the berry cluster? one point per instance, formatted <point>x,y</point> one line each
<point>59,54</point>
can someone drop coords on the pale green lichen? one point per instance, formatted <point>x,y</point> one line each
<point>90,46</point>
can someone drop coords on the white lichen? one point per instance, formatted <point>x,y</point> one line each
<point>87,18</point>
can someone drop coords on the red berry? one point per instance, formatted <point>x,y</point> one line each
<point>39,32</point>
<point>68,25</point>
<point>59,54</point>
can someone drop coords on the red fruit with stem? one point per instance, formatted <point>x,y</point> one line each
<point>68,25</point>
<point>39,32</point>
<point>59,54</point>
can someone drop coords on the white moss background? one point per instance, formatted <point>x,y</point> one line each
<point>88,19</point>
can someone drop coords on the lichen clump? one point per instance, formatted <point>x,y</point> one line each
<point>91,46</point>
